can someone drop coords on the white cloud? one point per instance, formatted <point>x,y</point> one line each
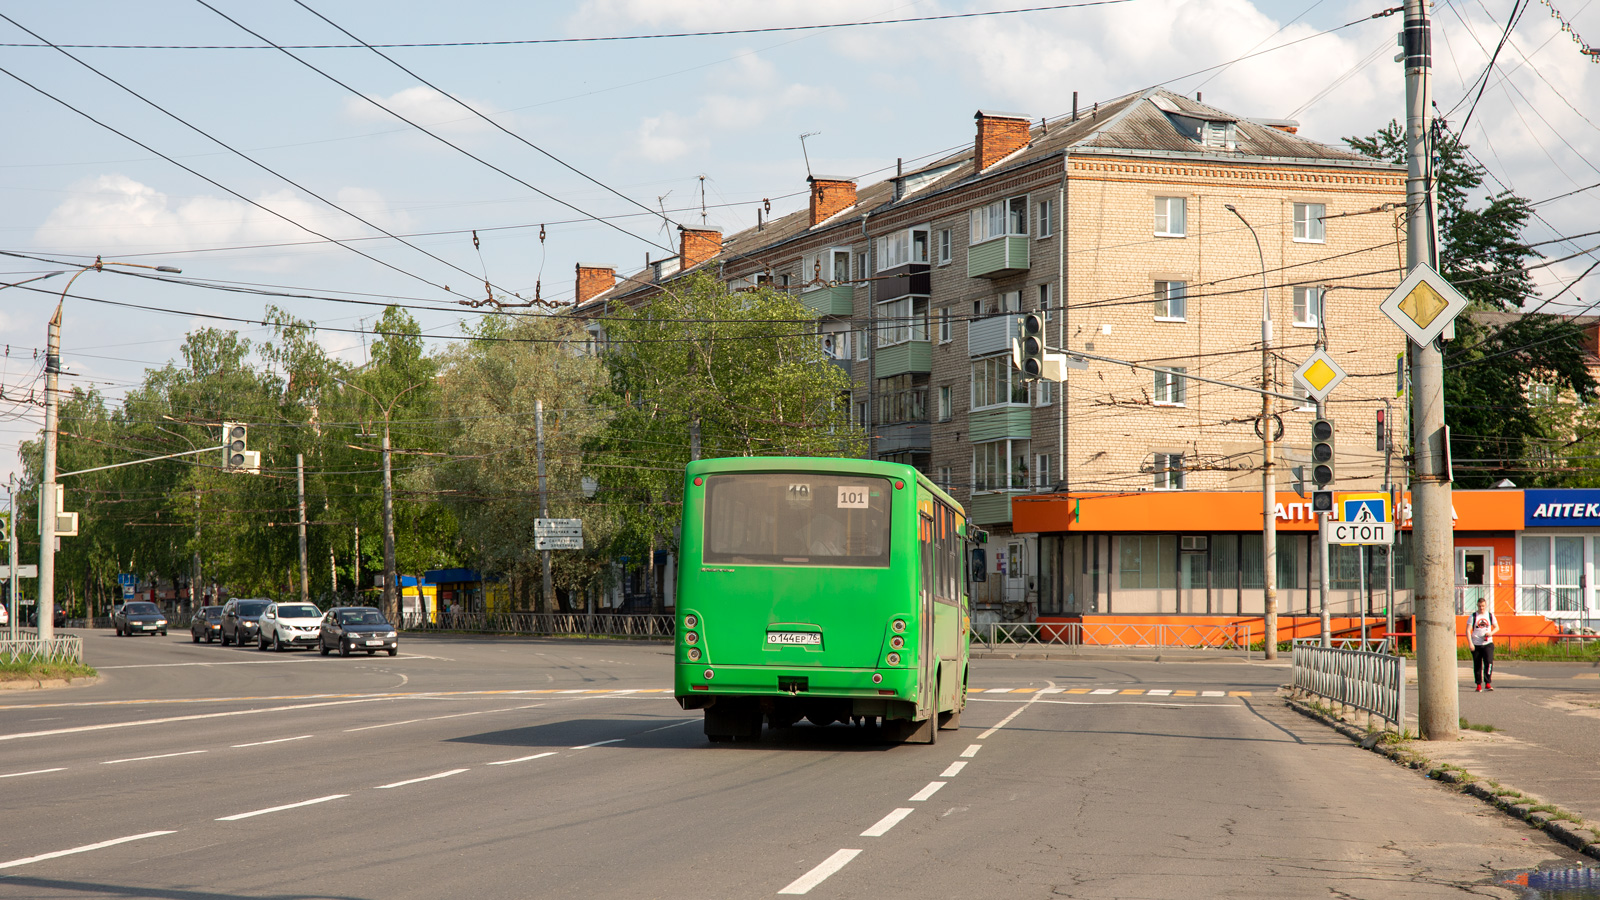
<point>424,106</point>
<point>116,214</point>
<point>604,16</point>
<point>673,135</point>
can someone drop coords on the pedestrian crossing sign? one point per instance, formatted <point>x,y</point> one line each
<point>1364,509</point>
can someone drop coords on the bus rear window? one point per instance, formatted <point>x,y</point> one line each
<point>797,519</point>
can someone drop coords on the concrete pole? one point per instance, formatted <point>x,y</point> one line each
<point>11,541</point>
<point>45,611</point>
<point>391,605</point>
<point>194,578</point>
<point>1438,701</point>
<point>1269,482</point>
<point>300,483</point>
<point>544,503</point>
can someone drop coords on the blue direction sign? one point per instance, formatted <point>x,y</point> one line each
<point>128,579</point>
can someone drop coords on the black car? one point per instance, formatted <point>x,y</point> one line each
<point>354,628</point>
<point>206,624</point>
<point>139,617</point>
<point>241,621</point>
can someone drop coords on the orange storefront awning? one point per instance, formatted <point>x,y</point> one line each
<point>1205,511</point>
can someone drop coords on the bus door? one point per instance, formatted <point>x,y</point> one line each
<point>928,693</point>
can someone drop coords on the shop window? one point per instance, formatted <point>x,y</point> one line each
<point>1288,562</point>
<point>1147,562</point>
<point>1552,574</point>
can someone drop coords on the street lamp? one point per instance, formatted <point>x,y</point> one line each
<point>390,599</point>
<point>1269,487</point>
<point>46,608</point>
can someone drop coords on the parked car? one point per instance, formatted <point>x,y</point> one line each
<point>286,625</point>
<point>352,628</point>
<point>5,615</point>
<point>206,624</point>
<point>241,620</point>
<point>139,617</point>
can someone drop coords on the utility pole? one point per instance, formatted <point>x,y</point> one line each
<point>194,578</point>
<point>391,604</point>
<point>11,542</point>
<point>1269,482</point>
<point>45,608</point>
<point>544,501</point>
<point>1432,531</point>
<point>300,482</point>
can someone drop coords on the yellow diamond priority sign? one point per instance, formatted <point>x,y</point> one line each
<point>1423,305</point>
<point>1319,375</point>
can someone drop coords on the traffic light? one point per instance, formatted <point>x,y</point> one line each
<point>1383,434</point>
<point>1031,340</point>
<point>1322,452</point>
<point>233,449</point>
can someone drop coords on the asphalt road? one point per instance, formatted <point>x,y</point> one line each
<point>519,768</point>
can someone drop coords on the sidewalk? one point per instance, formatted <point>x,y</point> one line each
<point>1091,652</point>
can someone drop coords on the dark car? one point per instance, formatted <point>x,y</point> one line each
<point>139,617</point>
<point>241,621</point>
<point>206,624</point>
<point>353,628</point>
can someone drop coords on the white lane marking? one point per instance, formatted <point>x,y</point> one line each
<point>888,822</point>
<point>811,879</point>
<point>112,762</point>
<point>254,662</point>
<point>925,793</point>
<point>673,725</point>
<point>34,772</point>
<point>954,770</point>
<point>1164,704</point>
<point>479,712</point>
<point>997,691</point>
<point>1053,690</point>
<point>84,849</point>
<point>579,691</point>
<point>384,725</point>
<point>1212,694</point>
<point>507,762</point>
<point>274,741</point>
<point>1032,698</point>
<point>168,719</point>
<point>272,809</point>
<point>384,787</point>
<point>597,744</point>
<point>1104,691</point>
<point>972,750</point>
<point>1159,693</point>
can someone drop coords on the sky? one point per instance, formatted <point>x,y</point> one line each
<point>239,165</point>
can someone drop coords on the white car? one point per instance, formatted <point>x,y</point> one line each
<point>285,625</point>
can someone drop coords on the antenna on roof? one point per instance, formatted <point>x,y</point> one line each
<point>803,149</point>
<point>661,203</point>
<point>702,200</point>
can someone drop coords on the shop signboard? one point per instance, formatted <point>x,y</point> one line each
<point>1561,508</point>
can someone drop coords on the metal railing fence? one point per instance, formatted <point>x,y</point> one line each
<point>1112,634</point>
<point>596,625</point>
<point>63,648</point>
<point>1372,644</point>
<point>1374,682</point>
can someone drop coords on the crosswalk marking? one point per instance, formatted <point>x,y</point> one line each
<point>1160,693</point>
<point>1104,691</point>
<point>1212,694</point>
<point>1183,693</point>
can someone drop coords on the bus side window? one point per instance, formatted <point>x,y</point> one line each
<point>979,569</point>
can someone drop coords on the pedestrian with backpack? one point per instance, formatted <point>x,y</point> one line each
<point>1481,628</point>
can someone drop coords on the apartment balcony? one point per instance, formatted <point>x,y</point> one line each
<point>999,422</point>
<point>836,300</point>
<point>906,356</point>
<point>989,508</point>
<point>904,436</point>
<point>986,337</point>
<point>998,257</point>
<point>911,278</point>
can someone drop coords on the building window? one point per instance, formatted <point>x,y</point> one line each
<point>902,320</point>
<point>861,414</point>
<point>1043,392</point>
<point>1045,307</point>
<point>998,219</point>
<point>1000,465</point>
<point>944,326</point>
<point>1308,223</point>
<point>1147,562</point>
<point>1168,469</point>
<point>1170,220</point>
<point>1307,307</point>
<point>1047,225</point>
<point>919,244</point>
<point>861,266</point>
<point>944,247</point>
<point>1172,301</point>
<point>903,398</point>
<point>1552,575</point>
<point>1171,386</point>
<point>1041,472</point>
<point>946,403</point>
<point>832,266</point>
<point>995,383</point>
<point>1010,301</point>
<point>861,344</point>
<point>946,478</point>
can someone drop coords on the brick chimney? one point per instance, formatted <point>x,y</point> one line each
<point>696,245</point>
<point>829,196</point>
<point>594,281</point>
<point>999,135</point>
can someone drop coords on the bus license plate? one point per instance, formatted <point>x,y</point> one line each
<point>794,637</point>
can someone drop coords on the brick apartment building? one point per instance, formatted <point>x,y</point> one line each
<point>1114,221</point>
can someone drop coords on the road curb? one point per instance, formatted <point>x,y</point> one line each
<point>45,684</point>
<point>1547,817</point>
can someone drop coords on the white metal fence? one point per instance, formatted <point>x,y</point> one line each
<point>1374,682</point>
<point>1112,634</point>
<point>1371,645</point>
<point>63,648</point>
<point>598,625</point>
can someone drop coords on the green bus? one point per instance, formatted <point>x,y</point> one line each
<point>833,590</point>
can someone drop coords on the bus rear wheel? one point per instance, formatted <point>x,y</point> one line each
<point>734,717</point>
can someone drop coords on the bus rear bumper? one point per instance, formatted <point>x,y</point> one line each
<point>695,691</point>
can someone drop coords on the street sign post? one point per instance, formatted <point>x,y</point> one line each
<point>558,534</point>
<point>1364,519</point>
<point>1319,375</point>
<point>1424,305</point>
<point>29,571</point>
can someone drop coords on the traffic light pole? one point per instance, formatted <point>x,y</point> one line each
<point>1322,561</point>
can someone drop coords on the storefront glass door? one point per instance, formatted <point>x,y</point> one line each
<point>1474,578</point>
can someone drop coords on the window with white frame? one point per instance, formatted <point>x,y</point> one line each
<point>861,344</point>
<point>1552,574</point>
<point>902,320</point>
<point>1308,223</point>
<point>1168,468</point>
<point>946,403</point>
<point>1047,225</point>
<point>944,326</point>
<point>861,266</point>
<point>1011,301</point>
<point>1170,216</point>
<point>1171,387</point>
<point>945,478</point>
<point>832,266</point>
<point>1307,307</point>
<point>894,249</point>
<point>996,383</point>
<point>1000,465</point>
<point>919,244</point>
<point>944,246</point>
<point>1172,301</point>
<point>1043,392</point>
<point>861,414</point>
<point>998,219</point>
<point>1041,472</point>
<point>1045,306</point>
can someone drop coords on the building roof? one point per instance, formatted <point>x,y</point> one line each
<point>1146,123</point>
